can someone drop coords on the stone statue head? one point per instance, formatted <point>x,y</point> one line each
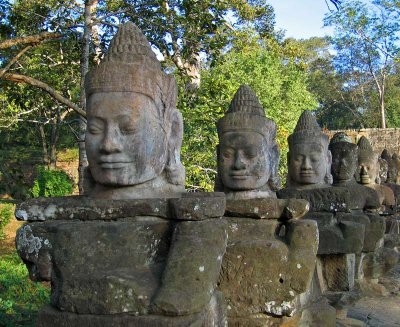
<point>396,168</point>
<point>248,155</point>
<point>134,131</point>
<point>368,165</point>
<point>309,158</point>
<point>383,171</point>
<point>344,158</point>
<point>391,168</point>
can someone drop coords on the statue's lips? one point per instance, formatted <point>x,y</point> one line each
<point>306,174</point>
<point>113,164</point>
<point>239,176</point>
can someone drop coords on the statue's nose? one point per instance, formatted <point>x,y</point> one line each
<point>110,142</point>
<point>239,164</point>
<point>306,163</point>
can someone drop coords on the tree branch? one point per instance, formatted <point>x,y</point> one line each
<point>32,39</point>
<point>14,60</point>
<point>34,82</point>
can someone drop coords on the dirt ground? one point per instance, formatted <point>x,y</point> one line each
<point>381,306</point>
<point>8,244</point>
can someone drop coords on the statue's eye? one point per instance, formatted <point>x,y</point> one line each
<point>95,129</point>
<point>127,129</point>
<point>298,158</point>
<point>251,152</point>
<point>228,153</point>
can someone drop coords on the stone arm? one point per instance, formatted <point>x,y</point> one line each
<point>193,265</point>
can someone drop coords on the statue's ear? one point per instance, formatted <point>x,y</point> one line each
<point>328,177</point>
<point>218,185</point>
<point>329,157</point>
<point>174,168</point>
<point>170,92</point>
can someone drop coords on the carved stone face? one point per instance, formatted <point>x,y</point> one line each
<point>368,169</point>
<point>392,171</point>
<point>125,142</point>
<point>308,163</point>
<point>243,161</point>
<point>344,163</point>
<point>383,170</point>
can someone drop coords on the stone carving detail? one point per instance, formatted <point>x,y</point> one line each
<point>248,156</point>
<point>344,166</point>
<point>270,257</point>
<point>309,177</point>
<point>367,172</point>
<point>391,162</point>
<point>309,160</point>
<point>150,254</point>
<point>134,131</point>
<point>396,164</point>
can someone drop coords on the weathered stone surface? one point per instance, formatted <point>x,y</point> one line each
<point>267,208</point>
<point>392,241</point>
<point>367,173</point>
<point>326,199</point>
<point>109,267</point>
<point>192,269</point>
<point>375,264</point>
<point>309,159</point>
<point>318,314</point>
<point>129,260</point>
<point>343,300</point>
<point>198,206</point>
<point>134,131</point>
<point>86,208</point>
<point>212,315</point>
<point>92,262</point>
<point>336,272</point>
<point>248,155</point>
<point>195,206</point>
<point>265,273</point>
<point>362,197</point>
<point>374,228</point>
<point>337,237</point>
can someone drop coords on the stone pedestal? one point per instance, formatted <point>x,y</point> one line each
<point>341,239</point>
<point>126,262</point>
<point>269,262</point>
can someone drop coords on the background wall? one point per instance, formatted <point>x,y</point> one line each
<point>388,138</point>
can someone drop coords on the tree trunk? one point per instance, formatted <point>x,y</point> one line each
<point>44,145</point>
<point>90,9</point>
<point>383,114</point>
<point>54,139</point>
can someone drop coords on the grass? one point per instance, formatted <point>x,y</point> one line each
<point>68,155</point>
<point>20,298</point>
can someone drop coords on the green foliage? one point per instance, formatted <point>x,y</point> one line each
<point>68,155</point>
<point>6,213</point>
<point>366,41</point>
<point>20,298</point>
<point>278,81</point>
<point>51,182</point>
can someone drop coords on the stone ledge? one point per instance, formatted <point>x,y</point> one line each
<point>191,206</point>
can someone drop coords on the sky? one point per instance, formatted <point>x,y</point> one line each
<point>301,18</point>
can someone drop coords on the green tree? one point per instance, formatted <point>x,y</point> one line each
<point>366,40</point>
<point>279,82</point>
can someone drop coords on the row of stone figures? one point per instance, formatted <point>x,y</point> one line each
<point>140,251</point>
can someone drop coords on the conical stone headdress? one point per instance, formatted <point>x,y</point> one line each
<point>342,140</point>
<point>130,66</point>
<point>245,113</point>
<point>386,155</point>
<point>307,130</point>
<point>365,150</point>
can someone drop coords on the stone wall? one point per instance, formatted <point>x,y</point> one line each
<point>380,138</point>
